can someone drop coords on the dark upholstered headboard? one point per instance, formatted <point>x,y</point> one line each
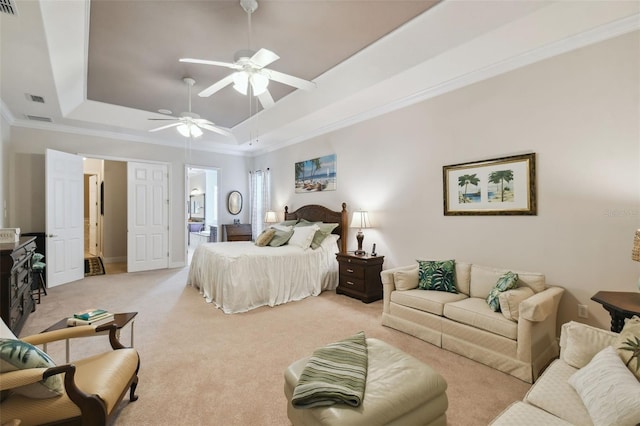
<point>316,213</point>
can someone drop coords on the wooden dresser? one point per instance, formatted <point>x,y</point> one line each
<point>237,232</point>
<point>16,302</point>
<point>360,276</point>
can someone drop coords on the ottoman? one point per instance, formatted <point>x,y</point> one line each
<point>400,390</point>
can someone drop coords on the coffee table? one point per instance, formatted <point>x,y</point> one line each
<point>119,319</point>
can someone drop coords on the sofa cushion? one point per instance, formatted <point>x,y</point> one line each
<point>553,393</point>
<point>425,300</point>
<point>439,275</point>
<point>463,277</point>
<point>483,278</point>
<point>521,413</point>
<point>406,279</point>
<point>630,333</point>
<point>476,313</point>
<point>507,281</point>
<point>609,390</point>
<point>510,301</point>
<point>580,343</point>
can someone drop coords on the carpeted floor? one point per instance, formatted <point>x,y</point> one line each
<point>202,367</point>
<point>93,266</point>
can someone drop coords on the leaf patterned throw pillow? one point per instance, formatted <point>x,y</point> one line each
<point>437,275</point>
<point>507,281</point>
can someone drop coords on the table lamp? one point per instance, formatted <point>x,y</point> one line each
<point>635,252</point>
<point>360,220</point>
<point>271,217</point>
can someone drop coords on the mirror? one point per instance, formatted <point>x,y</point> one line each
<point>234,202</point>
<point>196,208</point>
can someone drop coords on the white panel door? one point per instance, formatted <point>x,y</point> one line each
<point>93,215</point>
<point>148,216</point>
<point>64,200</point>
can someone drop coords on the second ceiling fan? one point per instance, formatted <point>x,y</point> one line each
<point>251,74</point>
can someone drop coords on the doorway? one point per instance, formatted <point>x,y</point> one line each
<point>201,200</point>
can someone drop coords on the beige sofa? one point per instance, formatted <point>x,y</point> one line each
<point>520,340</point>
<point>552,400</point>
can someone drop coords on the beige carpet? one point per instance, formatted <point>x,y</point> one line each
<point>202,367</point>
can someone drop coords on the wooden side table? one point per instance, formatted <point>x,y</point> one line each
<point>237,232</point>
<point>620,304</point>
<point>360,276</point>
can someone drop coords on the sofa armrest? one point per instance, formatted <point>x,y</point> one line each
<point>541,305</point>
<point>389,284</point>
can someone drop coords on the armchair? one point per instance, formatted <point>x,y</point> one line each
<point>93,386</point>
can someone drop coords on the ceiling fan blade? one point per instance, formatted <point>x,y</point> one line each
<point>162,119</point>
<point>206,62</point>
<point>291,80</point>
<point>221,130</point>
<point>216,86</point>
<point>165,127</point>
<point>266,99</point>
<point>264,57</point>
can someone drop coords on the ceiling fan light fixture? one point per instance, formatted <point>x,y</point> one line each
<point>241,82</point>
<point>259,83</point>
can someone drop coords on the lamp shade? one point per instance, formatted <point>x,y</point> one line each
<point>360,219</point>
<point>271,217</point>
<point>635,252</point>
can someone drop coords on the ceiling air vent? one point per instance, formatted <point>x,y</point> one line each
<point>8,6</point>
<point>38,118</point>
<point>35,98</point>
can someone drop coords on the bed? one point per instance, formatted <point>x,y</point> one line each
<point>240,276</point>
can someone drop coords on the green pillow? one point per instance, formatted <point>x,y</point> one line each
<point>507,281</point>
<point>19,355</point>
<point>304,222</point>
<point>437,275</point>
<point>321,234</point>
<point>280,238</point>
<point>288,222</point>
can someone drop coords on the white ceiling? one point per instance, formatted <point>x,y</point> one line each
<point>105,67</point>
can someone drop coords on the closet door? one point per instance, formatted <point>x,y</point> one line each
<point>148,216</point>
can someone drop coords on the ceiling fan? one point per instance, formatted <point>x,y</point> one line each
<point>250,71</point>
<point>189,123</point>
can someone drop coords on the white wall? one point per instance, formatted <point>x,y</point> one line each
<point>578,112</point>
<point>4,172</point>
<point>27,175</point>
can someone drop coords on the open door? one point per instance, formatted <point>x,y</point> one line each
<point>93,215</point>
<point>64,198</point>
<point>147,216</point>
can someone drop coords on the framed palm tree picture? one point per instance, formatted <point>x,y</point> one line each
<point>499,186</point>
<point>317,174</point>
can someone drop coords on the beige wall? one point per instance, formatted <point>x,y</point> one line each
<point>578,112</point>
<point>4,172</point>
<point>115,211</point>
<point>27,176</point>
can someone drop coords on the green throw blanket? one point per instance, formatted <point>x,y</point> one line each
<point>334,374</point>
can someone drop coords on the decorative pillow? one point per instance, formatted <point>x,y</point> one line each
<point>581,342</point>
<point>437,275</point>
<point>330,243</point>
<point>510,301</point>
<point>302,236</point>
<point>283,228</point>
<point>19,355</point>
<point>280,238</point>
<point>266,236</point>
<point>628,343</point>
<point>291,222</point>
<point>506,282</point>
<point>608,390</point>
<point>305,222</point>
<point>324,230</point>
<point>406,280</point>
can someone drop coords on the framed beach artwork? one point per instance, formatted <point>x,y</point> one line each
<point>500,186</point>
<point>317,174</point>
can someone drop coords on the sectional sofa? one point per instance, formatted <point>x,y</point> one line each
<point>520,340</point>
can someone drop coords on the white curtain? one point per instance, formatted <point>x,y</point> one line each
<point>260,191</point>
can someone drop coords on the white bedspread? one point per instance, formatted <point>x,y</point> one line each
<point>240,276</point>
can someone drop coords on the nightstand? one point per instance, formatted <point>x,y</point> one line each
<point>360,276</point>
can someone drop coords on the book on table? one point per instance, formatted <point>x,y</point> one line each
<point>89,314</point>
<point>97,320</point>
